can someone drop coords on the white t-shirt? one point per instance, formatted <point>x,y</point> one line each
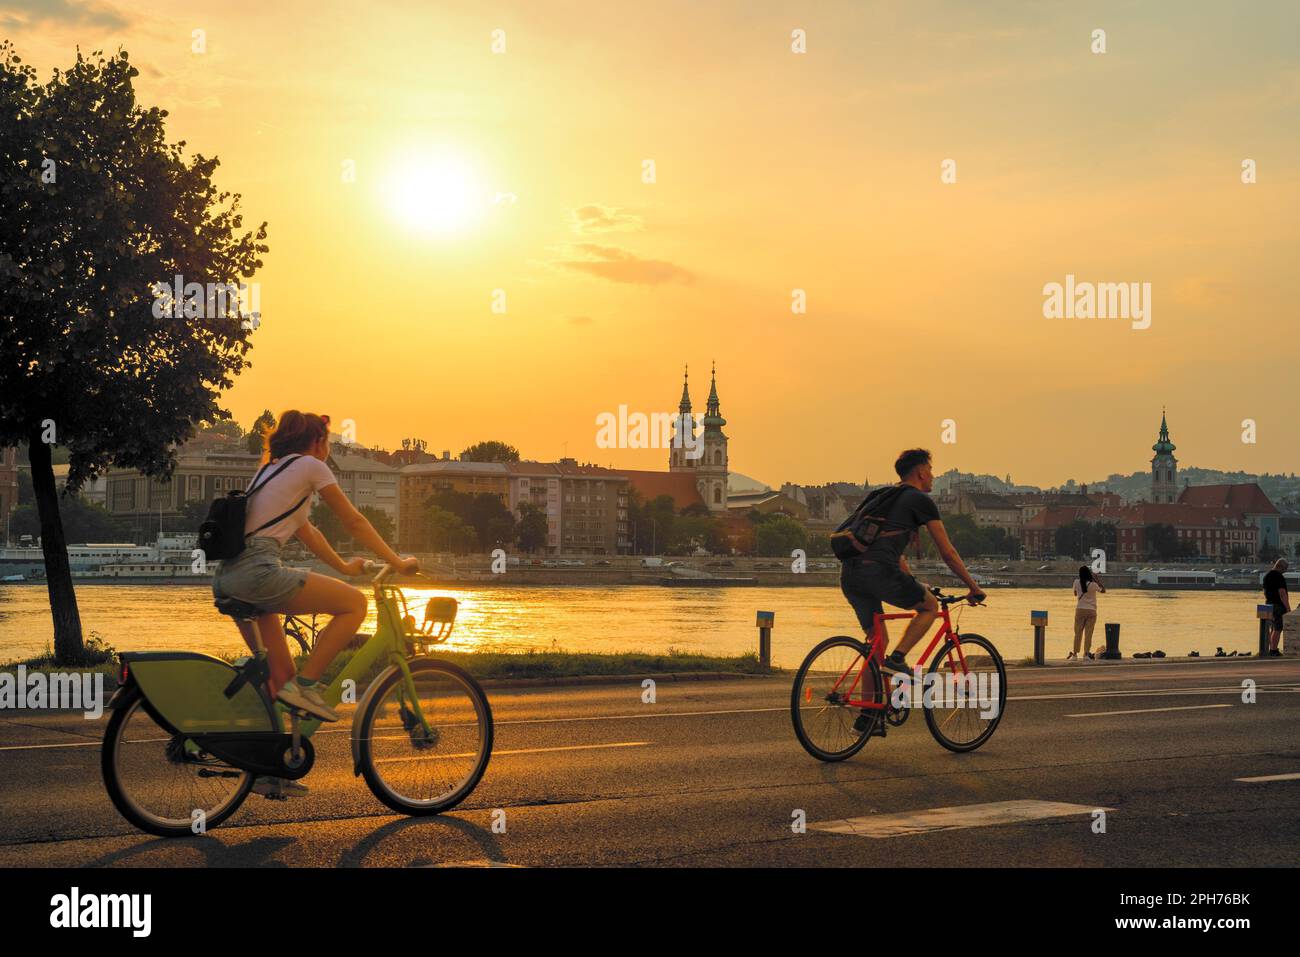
<point>301,478</point>
<point>1087,602</point>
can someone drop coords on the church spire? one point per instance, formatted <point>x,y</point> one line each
<point>1163,445</point>
<point>713,414</point>
<point>685,405</point>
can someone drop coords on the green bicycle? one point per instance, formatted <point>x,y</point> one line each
<point>189,733</point>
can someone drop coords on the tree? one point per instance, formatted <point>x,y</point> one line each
<point>779,535</point>
<point>490,452</point>
<point>654,524</point>
<point>1163,542</point>
<point>227,428</point>
<point>328,524</point>
<point>380,520</point>
<point>534,530</point>
<point>262,426</point>
<point>99,213</point>
<point>484,513</point>
<point>82,521</point>
<point>447,531</point>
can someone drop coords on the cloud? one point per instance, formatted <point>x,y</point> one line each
<point>619,265</point>
<point>580,320</point>
<point>21,13</point>
<point>605,219</point>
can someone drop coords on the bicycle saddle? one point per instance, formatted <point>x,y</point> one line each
<point>239,610</point>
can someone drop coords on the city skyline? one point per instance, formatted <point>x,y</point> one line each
<point>478,158</point>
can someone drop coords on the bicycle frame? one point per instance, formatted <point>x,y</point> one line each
<point>877,652</point>
<point>390,641</point>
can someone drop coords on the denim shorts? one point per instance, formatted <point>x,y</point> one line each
<point>869,585</point>
<point>258,576</point>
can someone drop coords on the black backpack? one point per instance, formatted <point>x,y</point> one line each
<point>857,532</point>
<point>221,536</point>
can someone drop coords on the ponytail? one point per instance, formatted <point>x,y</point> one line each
<point>296,432</point>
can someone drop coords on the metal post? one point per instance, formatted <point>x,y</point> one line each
<point>1039,620</point>
<point>1265,615</point>
<point>765,622</point>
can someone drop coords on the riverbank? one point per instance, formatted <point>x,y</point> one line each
<point>496,668</point>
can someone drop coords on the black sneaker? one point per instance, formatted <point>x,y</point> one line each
<point>1274,653</point>
<point>865,718</point>
<point>896,663</point>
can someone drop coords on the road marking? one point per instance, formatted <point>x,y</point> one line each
<point>952,818</point>
<point>1190,707</point>
<point>1270,777</point>
<point>1150,692</point>
<point>483,863</point>
<point>495,754</point>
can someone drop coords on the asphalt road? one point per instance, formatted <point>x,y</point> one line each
<point>711,774</point>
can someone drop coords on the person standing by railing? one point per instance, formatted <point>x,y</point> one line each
<point>1086,588</point>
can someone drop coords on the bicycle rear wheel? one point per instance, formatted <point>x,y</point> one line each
<point>424,752</point>
<point>965,725</point>
<point>162,783</point>
<point>823,721</point>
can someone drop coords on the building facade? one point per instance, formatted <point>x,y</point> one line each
<point>586,506</point>
<point>201,475</point>
<point>367,482</point>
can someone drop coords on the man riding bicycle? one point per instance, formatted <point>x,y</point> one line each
<point>879,574</point>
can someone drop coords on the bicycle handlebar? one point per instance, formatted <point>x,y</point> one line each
<point>384,569</point>
<point>953,599</point>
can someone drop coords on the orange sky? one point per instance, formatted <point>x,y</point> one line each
<point>775,171</point>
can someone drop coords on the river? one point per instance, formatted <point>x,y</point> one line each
<point>649,618</point>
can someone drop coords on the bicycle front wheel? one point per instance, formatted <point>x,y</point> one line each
<point>967,718</point>
<point>825,724</point>
<point>160,781</point>
<point>426,743</point>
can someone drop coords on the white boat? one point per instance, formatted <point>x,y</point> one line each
<point>1175,578</point>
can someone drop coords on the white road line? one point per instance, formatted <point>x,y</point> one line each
<point>951,818</point>
<point>1140,693</point>
<point>1270,777</point>
<point>497,754</point>
<point>1190,707</point>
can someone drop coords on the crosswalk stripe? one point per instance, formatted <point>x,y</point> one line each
<point>951,818</point>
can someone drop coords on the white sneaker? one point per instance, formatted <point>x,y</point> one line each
<point>306,699</point>
<point>278,787</point>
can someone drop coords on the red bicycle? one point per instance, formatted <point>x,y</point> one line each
<point>840,697</point>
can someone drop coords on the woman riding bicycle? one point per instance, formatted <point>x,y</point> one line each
<point>259,577</point>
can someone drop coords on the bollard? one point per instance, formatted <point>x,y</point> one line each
<point>1039,620</point>
<point>1112,641</point>
<point>765,621</point>
<point>1265,615</point>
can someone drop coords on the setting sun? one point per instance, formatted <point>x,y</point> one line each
<point>436,193</point>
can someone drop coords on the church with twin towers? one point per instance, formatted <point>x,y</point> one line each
<point>704,455</point>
